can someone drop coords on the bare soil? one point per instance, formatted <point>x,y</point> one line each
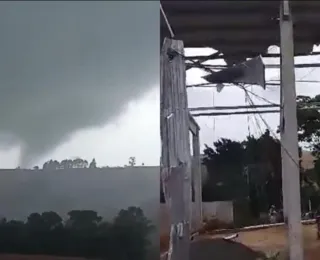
<point>249,245</point>
<point>272,240</point>
<point>219,249</point>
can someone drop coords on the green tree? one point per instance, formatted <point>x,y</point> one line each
<point>225,165</point>
<point>84,235</point>
<point>309,133</point>
<point>65,164</point>
<point>51,165</point>
<point>132,161</point>
<point>83,219</point>
<point>251,168</point>
<point>93,164</point>
<point>308,121</point>
<point>131,229</point>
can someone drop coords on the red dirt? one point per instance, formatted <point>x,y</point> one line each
<point>272,240</point>
<point>268,240</point>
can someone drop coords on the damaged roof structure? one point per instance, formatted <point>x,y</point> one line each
<point>240,29</point>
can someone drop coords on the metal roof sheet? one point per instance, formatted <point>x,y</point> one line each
<point>245,28</point>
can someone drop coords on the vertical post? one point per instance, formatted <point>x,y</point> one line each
<point>290,153</point>
<point>283,159</point>
<point>175,155</point>
<point>197,179</point>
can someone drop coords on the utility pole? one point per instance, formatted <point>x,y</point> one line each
<point>289,135</point>
<point>175,145</point>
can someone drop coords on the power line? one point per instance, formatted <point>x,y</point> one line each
<point>257,96</point>
<point>272,132</point>
<point>254,116</point>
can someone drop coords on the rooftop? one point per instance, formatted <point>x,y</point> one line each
<point>240,29</point>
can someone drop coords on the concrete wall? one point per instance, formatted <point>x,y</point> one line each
<point>104,190</point>
<point>222,210</point>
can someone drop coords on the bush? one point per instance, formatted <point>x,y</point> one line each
<point>84,234</point>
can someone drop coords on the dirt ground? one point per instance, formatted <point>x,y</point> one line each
<point>272,240</point>
<point>249,244</point>
<point>219,249</point>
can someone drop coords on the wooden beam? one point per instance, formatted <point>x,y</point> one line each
<point>267,66</point>
<point>193,125</point>
<point>238,35</point>
<point>175,145</point>
<point>231,107</point>
<point>236,113</point>
<point>249,54</point>
<point>197,182</point>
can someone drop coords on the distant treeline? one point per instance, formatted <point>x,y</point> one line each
<point>83,234</point>
<point>77,163</point>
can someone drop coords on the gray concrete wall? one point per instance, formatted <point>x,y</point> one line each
<point>222,210</point>
<point>104,190</point>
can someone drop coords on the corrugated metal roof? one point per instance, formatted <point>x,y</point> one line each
<point>243,27</point>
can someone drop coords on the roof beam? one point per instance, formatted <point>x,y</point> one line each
<point>267,66</point>
<point>193,125</point>
<point>236,113</point>
<point>249,54</point>
<point>241,19</point>
<point>232,107</point>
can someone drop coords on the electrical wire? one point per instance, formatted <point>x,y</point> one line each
<point>271,131</point>
<point>214,119</point>
<point>257,96</point>
<point>256,121</point>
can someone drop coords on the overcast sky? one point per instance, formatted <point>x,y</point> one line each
<point>79,79</point>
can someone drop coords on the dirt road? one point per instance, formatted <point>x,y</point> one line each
<point>249,243</point>
<point>272,240</point>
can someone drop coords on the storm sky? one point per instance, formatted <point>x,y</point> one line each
<point>71,76</point>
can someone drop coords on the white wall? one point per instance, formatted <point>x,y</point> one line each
<point>222,210</point>
<point>104,190</point>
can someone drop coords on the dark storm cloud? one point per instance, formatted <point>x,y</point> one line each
<point>66,66</point>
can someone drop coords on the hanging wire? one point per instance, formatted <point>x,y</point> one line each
<point>248,116</point>
<point>257,96</point>
<point>214,119</point>
<point>307,74</point>
<point>271,131</point>
<point>167,21</point>
<point>256,120</point>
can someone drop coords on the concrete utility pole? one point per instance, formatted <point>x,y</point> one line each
<point>289,136</point>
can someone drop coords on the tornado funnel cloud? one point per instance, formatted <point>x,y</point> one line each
<point>66,66</point>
